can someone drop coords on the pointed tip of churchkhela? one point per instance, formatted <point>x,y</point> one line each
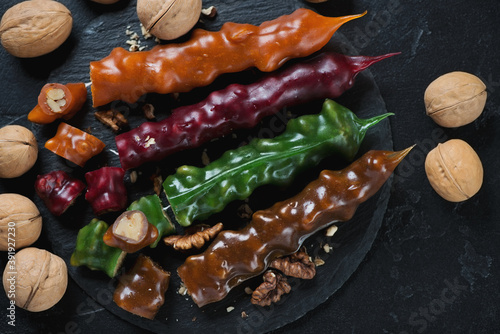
<point>360,63</point>
<point>398,156</point>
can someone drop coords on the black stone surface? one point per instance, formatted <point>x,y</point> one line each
<point>434,265</point>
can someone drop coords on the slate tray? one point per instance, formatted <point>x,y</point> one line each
<point>351,243</point>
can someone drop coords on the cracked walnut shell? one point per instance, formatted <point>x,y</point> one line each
<point>38,277</point>
<point>34,28</point>
<point>455,99</point>
<point>454,170</point>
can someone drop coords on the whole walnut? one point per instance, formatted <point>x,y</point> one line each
<point>35,27</point>
<point>18,151</point>
<point>169,19</point>
<point>455,99</point>
<point>36,279</point>
<point>454,170</point>
<point>20,221</point>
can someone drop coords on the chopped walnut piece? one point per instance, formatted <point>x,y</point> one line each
<point>244,211</point>
<point>112,118</point>
<point>244,314</point>
<point>149,111</point>
<point>182,290</point>
<point>157,181</point>
<point>275,285</point>
<point>145,32</point>
<point>318,262</point>
<point>210,12</point>
<point>296,265</point>
<point>205,159</point>
<point>195,237</point>
<point>331,230</point>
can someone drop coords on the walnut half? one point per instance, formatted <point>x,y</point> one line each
<point>195,237</point>
<point>296,265</point>
<point>270,291</point>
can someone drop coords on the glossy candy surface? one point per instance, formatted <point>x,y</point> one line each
<point>235,256</point>
<point>58,190</point>
<point>196,193</point>
<point>141,290</point>
<point>176,68</point>
<point>106,189</point>
<point>74,144</point>
<point>240,106</point>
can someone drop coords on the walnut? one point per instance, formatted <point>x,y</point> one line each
<point>296,265</point>
<point>36,280</point>
<point>18,151</point>
<point>195,237</point>
<point>157,181</point>
<point>275,285</point>
<point>149,111</point>
<point>34,28</point>
<point>112,118</point>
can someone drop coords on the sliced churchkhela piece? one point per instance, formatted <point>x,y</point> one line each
<point>235,256</point>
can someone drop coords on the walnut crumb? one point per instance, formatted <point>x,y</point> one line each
<point>149,111</point>
<point>210,12</point>
<point>244,211</point>
<point>112,118</point>
<point>327,248</point>
<point>182,290</point>
<point>205,160</point>
<point>331,230</point>
<point>133,176</point>
<point>156,177</point>
<point>230,309</point>
<point>145,33</point>
<point>318,262</point>
<point>248,290</point>
<point>244,315</point>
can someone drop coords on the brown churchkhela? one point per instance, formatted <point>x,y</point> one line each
<point>235,256</point>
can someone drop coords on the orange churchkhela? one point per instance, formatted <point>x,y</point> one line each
<point>177,68</point>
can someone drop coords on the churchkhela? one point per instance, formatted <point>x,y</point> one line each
<point>177,68</point>
<point>235,256</point>
<point>327,75</point>
<point>196,193</point>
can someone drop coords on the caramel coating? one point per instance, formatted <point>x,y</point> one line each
<point>141,290</point>
<point>454,170</point>
<point>455,99</point>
